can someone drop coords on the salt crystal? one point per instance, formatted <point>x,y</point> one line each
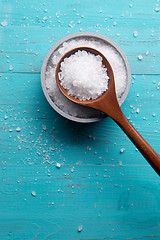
<point>140,57</point>
<point>80,228</point>
<point>45,18</point>
<point>147,52</point>
<point>72,169</point>
<point>122,150</point>
<point>4,23</point>
<point>80,73</point>
<point>33,193</point>
<point>69,25</point>
<point>135,34</point>
<point>138,110</point>
<point>58,165</point>
<point>11,68</point>
<point>158,86</point>
<point>44,127</point>
<point>156,9</point>
<point>18,129</point>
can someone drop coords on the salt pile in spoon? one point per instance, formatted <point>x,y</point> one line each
<point>84,76</point>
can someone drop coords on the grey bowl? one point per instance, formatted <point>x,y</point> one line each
<point>98,115</point>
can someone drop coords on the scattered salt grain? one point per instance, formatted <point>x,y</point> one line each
<point>18,129</point>
<point>147,52</point>
<point>156,9</point>
<point>80,74</point>
<point>120,163</point>
<point>11,67</point>
<point>72,169</point>
<point>80,228</point>
<point>140,57</point>
<point>158,86</point>
<point>44,18</point>
<point>138,110</point>
<point>33,193</point>
<point>135,34</point>
<point>4,23</point>
<point>44,127</point>
<point>58,165</point>
<point>122,150</point>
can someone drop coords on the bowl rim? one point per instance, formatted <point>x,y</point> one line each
<point>70,37</point>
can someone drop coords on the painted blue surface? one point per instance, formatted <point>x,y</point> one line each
<point>112,195</point>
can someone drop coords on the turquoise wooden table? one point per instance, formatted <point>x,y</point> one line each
<point>104,188</point>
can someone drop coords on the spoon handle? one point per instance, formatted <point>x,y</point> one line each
<point>147,151</point>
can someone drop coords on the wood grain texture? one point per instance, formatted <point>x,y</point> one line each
<point>114,195</point>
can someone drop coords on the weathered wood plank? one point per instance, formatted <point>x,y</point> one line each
<point>29,54</point>
<point>23,42</point>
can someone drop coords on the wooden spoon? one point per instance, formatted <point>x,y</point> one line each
<point>108,104</point>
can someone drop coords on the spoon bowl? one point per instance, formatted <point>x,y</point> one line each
<point>108,104</point>
<point>104,62</point>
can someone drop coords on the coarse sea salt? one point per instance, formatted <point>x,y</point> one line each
<point>112,55</point>
<point>83,75</point>
<point>4,23</point>
<point>33,193</point>
<point>80,228</point>
<point>58,165</point>
<point>18,129</point>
